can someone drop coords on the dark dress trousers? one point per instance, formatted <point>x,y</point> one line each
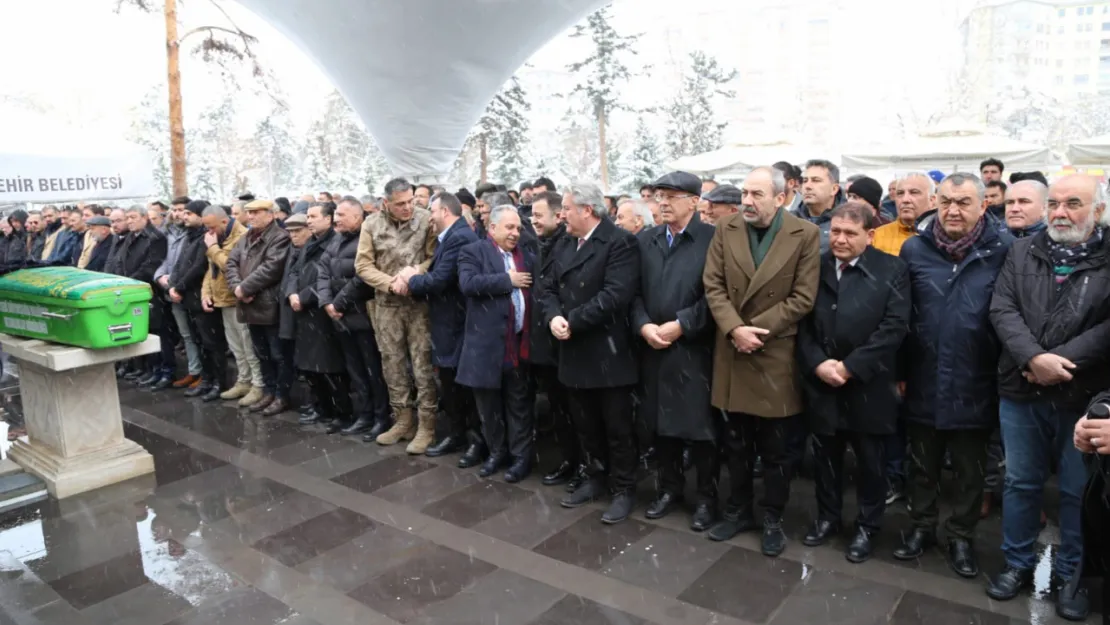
<point>592,287</point>
<point>860,320</point>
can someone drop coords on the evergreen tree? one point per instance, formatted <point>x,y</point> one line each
<point>645,163</point>
<point>150,128</point>
<point>604,72</point>
<point>693,125</point>
<point>339,153</point>
<point>501,134</point>
<point>276,147</point>
<point>578,155</point>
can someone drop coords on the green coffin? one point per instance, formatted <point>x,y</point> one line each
<point>74,306</point>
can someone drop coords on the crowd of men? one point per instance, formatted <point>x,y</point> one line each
<point>701,325</point>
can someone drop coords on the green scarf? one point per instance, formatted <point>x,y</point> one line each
<point>760,247</point>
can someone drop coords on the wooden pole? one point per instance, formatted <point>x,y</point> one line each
<point>177,122</point>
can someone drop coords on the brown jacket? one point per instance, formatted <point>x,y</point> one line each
<point>216,288</point>
<point>774,297</point>
<point>385,247</point>
<point>257,265</point>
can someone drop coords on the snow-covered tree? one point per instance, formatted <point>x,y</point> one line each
<point>578,154</point>
<point>277,149</point>
<point>150,128</point>
<point>644,161</point>
<point>500,136</point>
<point>694,125</point>
<point>338,153</point>
<point>603,71</point>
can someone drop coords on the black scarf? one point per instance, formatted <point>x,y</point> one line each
<point>1065,257</point>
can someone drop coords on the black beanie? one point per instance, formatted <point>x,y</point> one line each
<point>197,207</point>
<point>466,197</point>
<point>869,190</point>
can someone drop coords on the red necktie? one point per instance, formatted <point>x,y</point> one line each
<point>581,242</point>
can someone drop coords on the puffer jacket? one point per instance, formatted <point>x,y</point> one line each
<point>1032,316</point>
<point>338,284</point>
<point>256,266</point>
<point>215,280</point>
<point>950,355</point>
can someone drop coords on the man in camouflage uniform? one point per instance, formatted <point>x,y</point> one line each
<point>395,244</point>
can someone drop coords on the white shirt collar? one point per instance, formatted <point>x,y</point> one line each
<point>590,233</point>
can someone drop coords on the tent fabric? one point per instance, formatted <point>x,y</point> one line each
<point>1095,151</point>
<point>949,149</point>
<point>736,161</point>
<point>420,72</point>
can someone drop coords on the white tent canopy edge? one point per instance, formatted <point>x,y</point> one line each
<point>420,72</point>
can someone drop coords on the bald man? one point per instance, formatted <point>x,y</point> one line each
<point>1025,203</point>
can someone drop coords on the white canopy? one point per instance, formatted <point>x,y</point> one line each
<point>738,159</point>
<point>43,161</point>
<point>1094,151</point>
<point>420,72</point>
<point>950,148</point>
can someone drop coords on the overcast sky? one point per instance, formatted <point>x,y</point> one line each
<point>91,66</point>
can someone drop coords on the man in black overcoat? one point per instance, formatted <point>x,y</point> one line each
<point>848,349</point>
<point>672,317</point>
<point>585,303</point>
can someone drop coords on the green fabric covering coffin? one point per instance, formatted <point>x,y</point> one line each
<point>74,306</point>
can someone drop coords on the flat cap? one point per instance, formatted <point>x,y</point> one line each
<point>724,194</point>
<point>296,222</point>
<point>679,181</point>
<point>98,220</point>
<point>259,205</point>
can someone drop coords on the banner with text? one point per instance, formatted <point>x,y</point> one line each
<point>37,178</point>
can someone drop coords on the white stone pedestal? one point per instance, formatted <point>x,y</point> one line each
<point>72,412</point>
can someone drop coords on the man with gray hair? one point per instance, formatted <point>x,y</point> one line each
<point>761,274</point>
<point>634,216</point>
<point>586,298</point>
<point>1051,310</point>
<point>138,255</point>
<point>396,244</point>
<point>951,357</point>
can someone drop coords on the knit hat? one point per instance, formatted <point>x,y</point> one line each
<point>283,204</point>
<point>197,207</point>
<point>869,190</point>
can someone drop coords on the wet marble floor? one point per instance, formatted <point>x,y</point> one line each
<point>258,522</point>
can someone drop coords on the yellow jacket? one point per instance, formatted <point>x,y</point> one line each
<point>216,288</point>
<point>889,238</point>
<point>86,249</point>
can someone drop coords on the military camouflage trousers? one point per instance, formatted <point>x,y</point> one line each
<point>404,335</point>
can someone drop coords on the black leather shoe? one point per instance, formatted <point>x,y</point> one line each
<point>473,456</point>
<point>561,474</point>
<point>362,424</point>
<point>203,389</point>
<point>705,515</point>
<point>731,525</point>
<point>381,426</point>
<point>212,395</point>
<point>309,419</point>
<point>961,558</point>
<point>577,480</point>
<point>449,445</point>
<point>663,505</point>
<point>1072,603</point>
<point>519,470</point>
<point>820,533</point>
<point>861,547</point>
<point>306,409</point>
<point>774,539</point>
<point>336,426</point>
<point>757,468</point>
<point>1009,583</point>
<point>162,384</point>
<point>133,375</point>
<point>586,493</point>
<point>619,509</point>
<point>149,378</point>
<point>493,464</point>
<point>915,544</point>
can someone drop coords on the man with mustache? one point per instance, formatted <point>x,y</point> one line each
<point>1051,309</point>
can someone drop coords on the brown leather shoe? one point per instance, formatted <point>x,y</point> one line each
<point>276,407</point>
<point>262,403</point>
<point>195,383</point>
<point>186,381</point>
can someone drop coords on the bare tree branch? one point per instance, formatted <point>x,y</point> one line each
<point>146,6</point>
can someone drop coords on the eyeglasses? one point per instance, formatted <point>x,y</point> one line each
<point>660,197</point>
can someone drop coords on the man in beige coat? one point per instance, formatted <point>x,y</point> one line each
<point>761,276</point>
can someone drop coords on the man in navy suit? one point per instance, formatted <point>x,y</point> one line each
<point>447,313</point>
<point>495,275</point>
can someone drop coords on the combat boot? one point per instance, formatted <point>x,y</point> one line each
<point>404,428</point>
<point>425,435</point>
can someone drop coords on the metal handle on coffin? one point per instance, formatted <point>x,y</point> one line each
<point>120,328</point>
<point>54,315</point>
